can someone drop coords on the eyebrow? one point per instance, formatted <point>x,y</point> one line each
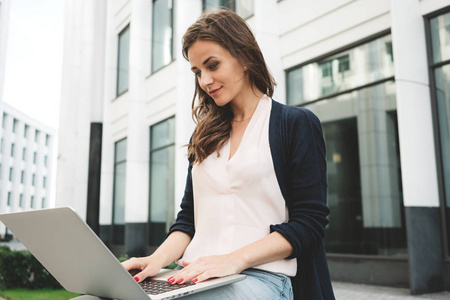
<point>205,62</point>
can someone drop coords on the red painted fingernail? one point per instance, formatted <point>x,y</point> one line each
<point>194,280</point>
<point>180,280</point>
<point>136,278</point>
<point>171,280</point>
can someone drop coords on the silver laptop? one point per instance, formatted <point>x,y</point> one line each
<point>66,246</point>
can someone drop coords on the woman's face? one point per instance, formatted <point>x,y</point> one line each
<point>218,73</point>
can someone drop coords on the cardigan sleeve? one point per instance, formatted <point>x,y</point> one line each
<point>304,164</point>
<point>185,218</point>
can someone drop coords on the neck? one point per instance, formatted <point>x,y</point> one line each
<point>244,107</point>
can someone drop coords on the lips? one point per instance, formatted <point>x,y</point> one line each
<point>215,92</point>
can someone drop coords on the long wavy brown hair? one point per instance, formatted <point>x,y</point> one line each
<point>213,122</point>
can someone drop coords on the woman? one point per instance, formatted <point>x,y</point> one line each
<point>255,195</point>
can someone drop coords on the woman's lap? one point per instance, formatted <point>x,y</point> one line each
<point>258,285</point>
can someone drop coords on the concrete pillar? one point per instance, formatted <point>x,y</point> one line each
<point>266,32</point>
<point>418,159</point>
<point>107,169</point>
<point>81,98</point>
<point>137,169</point>
<point>185,91</point>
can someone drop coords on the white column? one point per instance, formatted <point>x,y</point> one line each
<point>418,159</point>
<point>266,32</point>
<point>186,13</point>
<point>81,99</point>
<point>109,84</point>
<point>137,170</point>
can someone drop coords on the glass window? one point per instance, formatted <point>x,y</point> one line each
<point>162,34</point>
<point>45,160</point>
<point>24,153</point>
<point>118,227</point>
<point>21,200</point>
<point>12,149</point>
<point>25,131</point>
<point>440,40</point>
<point>36,135</point>
<point>34,157</point>
<point>47,140</point>
<point>43,202</point>
<point>162,159</point>
<point>364,174</point>
<point>359,122</point>
<point>14,125</point>
<point>244,8</point>
<point>33,178</point>
<point>44,179</point>
<point>359,66</point>
<point>214,4</point>
<point>123,61</point>
<point>32,202</point>
<point>9,199</point>
<point>22,177</point>
<point>4,120</point>
<point>10,174</point>
<point>440,37</point>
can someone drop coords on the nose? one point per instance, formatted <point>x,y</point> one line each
<point>206,79</point>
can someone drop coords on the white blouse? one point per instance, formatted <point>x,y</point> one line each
<point>237,199</point>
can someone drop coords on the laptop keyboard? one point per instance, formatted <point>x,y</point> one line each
<point>158,287</point>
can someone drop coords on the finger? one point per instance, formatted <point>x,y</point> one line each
<point>185,263</point>
<point>202,277</point>
<point>183,276</point>
<point>149,271</point>
<point>132,263</point>
<point>177,277</point>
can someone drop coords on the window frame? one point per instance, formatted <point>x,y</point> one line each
<point>114,195</point>
<point>432,66</point>
<point>172,52</point>
<point>151,151</point>
<point>321,58</point>
<point>374,83</point>
<point>118,94</point>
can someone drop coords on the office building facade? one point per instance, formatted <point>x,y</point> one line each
<point>374,72</point>
<point>26,160</point>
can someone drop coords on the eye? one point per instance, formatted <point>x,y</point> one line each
<point>197,74</point>
<point>213,66</point>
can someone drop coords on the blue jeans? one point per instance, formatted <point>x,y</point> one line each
<point>260,285</point>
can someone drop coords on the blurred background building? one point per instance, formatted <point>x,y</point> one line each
<point>376,73</point>
<point>26,158</point>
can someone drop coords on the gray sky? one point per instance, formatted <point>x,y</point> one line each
<point>34,58</point>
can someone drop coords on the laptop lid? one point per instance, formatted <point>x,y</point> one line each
<point>66,246</point>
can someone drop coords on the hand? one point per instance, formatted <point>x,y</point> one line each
<point>148,266</point>
<point>208,267</point>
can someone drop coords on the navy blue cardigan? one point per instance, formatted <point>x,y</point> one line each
<point>298,154</point>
